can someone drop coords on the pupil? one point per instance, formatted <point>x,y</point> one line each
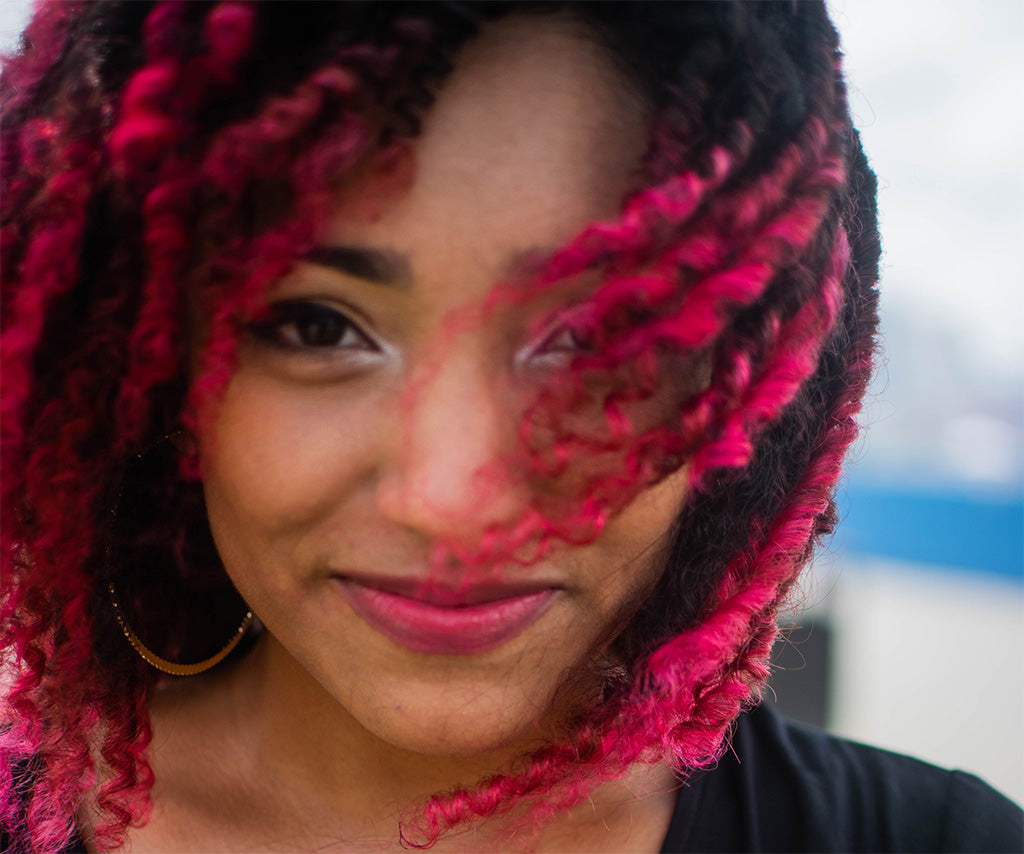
<point>321,331</point>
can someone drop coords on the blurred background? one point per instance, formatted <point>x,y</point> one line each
<point>912,635</point>
<point>911,631</point>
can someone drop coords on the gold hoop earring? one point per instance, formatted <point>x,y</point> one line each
<point>172,667</point>
<point>164,665</point>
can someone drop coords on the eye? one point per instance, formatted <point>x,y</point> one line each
<point>574,331</point>
<point>568,338</point>
<point>302,325</point>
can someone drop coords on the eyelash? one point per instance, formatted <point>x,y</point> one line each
<point>310,326</point>
<point>578,341</point>
<point>573,334</point>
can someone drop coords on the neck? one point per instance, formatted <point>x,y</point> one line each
<point>297,756</point>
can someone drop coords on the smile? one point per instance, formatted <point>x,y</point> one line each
<point>440,622</point>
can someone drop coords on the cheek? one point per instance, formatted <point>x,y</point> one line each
<point>281,460</point>
<point>655,510</point>
<point>632,547</point>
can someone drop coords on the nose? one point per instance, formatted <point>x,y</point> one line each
<point>451,476</point>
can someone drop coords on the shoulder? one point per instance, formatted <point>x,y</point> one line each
<point>788,787</point>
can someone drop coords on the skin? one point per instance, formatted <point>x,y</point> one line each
<point>362,456</point>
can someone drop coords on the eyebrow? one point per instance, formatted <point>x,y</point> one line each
<point>379,266</point>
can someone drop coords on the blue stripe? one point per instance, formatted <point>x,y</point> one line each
<point>946,528</point>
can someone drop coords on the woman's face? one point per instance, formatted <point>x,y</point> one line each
<point>364,427</point>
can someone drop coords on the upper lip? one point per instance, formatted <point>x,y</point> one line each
<point>445,594</point>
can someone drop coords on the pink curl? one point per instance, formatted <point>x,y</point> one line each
<point>795,359</point>
<point>228,31</point>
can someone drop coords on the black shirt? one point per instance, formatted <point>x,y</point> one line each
<point>787,787</point>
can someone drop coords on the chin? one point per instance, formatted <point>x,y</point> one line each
<point>456,721</point>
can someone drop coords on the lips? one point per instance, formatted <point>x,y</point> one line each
<point>436,620</point>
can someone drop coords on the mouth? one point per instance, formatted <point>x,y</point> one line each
<point>429,618</point>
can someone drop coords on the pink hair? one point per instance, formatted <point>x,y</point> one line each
<point>744,257</point>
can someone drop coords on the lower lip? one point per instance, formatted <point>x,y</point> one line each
<point>439,630</point>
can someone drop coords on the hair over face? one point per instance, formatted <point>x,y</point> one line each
<point>163,160</point>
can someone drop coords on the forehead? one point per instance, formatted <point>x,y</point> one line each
<point>534,134</point>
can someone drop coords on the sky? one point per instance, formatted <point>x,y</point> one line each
<point>935,90</point>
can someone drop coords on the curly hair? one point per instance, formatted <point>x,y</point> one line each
<point>157,155</point>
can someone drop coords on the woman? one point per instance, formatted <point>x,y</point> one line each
<point>452,394</point>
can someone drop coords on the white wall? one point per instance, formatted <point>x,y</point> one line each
<point>930,662</point>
